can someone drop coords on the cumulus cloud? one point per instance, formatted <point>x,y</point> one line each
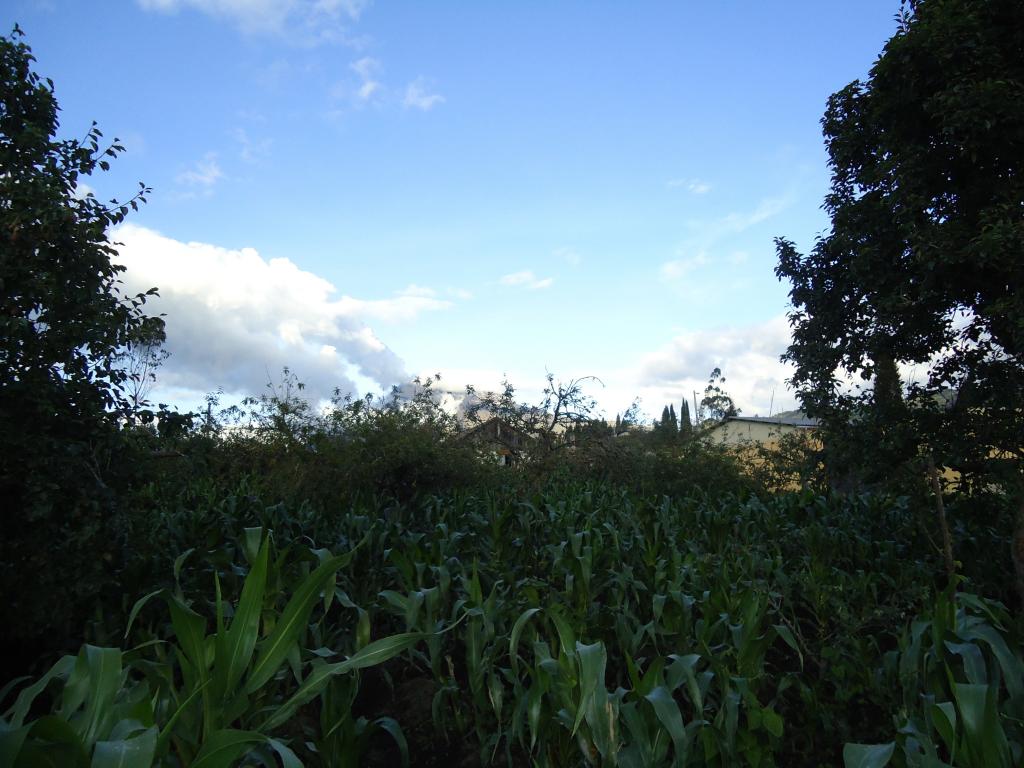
<point>234,317</point>
<point>418,95</point>
<point>307,21</point>
<point>526,279</point>
<point>748,357</point>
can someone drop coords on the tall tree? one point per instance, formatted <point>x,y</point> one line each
<point>717,404</point>
<point>923,264</point>
<point>685,425</point>
<point>63,326</point>
<point>563,405</point>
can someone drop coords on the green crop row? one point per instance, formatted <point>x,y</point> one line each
<point>578,625</point>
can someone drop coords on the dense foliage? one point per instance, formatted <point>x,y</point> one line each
<point>922,265</point>
<point>63,328</point>
<point>276,584</point>
<point>571,624</point>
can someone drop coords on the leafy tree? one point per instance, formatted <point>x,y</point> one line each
<point>633,416</point>
<point>716,404</point>
<point>563,406</point>
<point>922,266</point>
<point>141,359</point>
<point>63,324</point>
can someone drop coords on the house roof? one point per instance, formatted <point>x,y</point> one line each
<point>788,419</point>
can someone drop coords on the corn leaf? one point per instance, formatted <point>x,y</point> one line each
<point>222,748</point>
<point>868,755</point>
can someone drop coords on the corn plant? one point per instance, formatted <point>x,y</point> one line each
<point>962,674</point>
<point>205,699</point>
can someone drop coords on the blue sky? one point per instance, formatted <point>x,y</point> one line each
<point>369,191</point>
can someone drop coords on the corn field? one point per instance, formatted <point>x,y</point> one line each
<point>577,625</point>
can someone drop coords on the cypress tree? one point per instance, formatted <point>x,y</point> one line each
<point>685,425</point>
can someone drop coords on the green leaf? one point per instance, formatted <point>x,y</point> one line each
<point>234,651</point>
<point>787,635</point>
<point>593,660</point>
<point>671,718</point>
<point>683,667</point>
<point>566,637</point>
<point>1011,664</point>
<point>288,758</point>
<point>513,640</point>
<point>57,732</point>
<point>252,541</point>
<point>944,718</point>
<point>971,700</point>
<point>974,661</point>
<point>391,727</point>
<point>190,629</point>
<point>292,622</point>
<point>534,702</point>
<point>370,655</point>
<point>868,755</point>
<point>179,561</point>
<point>19,711</point>
<point>11,740</point>
<point>772,722</point>
<point>104,665</point>
<point>168,728</point>
<point>135,752</point>
<point>222,748</point>
<point>138,607</point>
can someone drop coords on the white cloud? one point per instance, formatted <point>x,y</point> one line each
<point>367,68</point>
<point>679,268</point>
<point>420,291</point>
<point>306,21</point>
<point>249,149</point>
<point>233,318</point>
<point>693,186</point>
<point>570,255</point>
<point>418,95</point>
<point>203,175</point>
<point>748,357</point>
<point>706,233</point>
<point>526,279</point>
<point>766,209</point>
<point>396,310</point>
